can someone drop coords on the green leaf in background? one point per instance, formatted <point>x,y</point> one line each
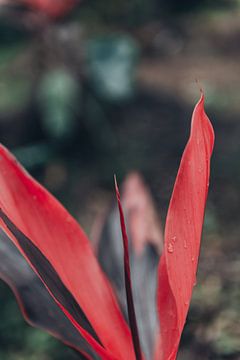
<point>13,40</point>
<point>111,63</point>
<point>15,88</point>
<point>9,33</point>
<point>33,155</point>
<point>58,97</point>
<point>15,93</point>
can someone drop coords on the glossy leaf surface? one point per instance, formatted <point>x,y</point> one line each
<point>178,265</point>
<point>36,304</point>
<point>62,242</point>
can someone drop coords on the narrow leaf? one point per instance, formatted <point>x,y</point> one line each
<point>178,265</point>
<point>145,243</point>
<point>128,285</point>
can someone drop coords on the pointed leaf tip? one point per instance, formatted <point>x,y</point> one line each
<point>199,86</point>
<point>178,265</point>
<point>116,185</point>
<point>128,283</point>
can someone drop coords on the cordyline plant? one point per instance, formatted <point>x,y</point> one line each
<point>83,311</point>
<point>50,8</point>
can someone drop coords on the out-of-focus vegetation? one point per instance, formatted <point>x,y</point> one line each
<point>109,88</point>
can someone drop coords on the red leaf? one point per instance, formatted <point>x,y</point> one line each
<point>178,265</point>
<point>43,220</point>
<point>145,245</point>
<point>52,8</point>
<point>143,221</point>
<point>128,285</point>
<point>56,288</point>
<point>36,304</point>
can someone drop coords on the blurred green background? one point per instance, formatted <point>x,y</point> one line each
<point>109,88</point>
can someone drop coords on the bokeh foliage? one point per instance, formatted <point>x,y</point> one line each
<point>73,112</point>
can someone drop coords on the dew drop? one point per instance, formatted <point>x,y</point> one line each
<point>193,259</point>
<point>174,239</point>
<point>185,244</point>
<point>170,248</point>
<point>186,303</point>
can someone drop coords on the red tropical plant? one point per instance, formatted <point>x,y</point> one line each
<point>59,252</point>
<point>51,8</point>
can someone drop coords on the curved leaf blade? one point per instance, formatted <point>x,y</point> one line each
<point>178,264</point>
<point>37,306</point>
<point>41,218</point>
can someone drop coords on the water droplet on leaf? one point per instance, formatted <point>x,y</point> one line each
<point>170,248</point>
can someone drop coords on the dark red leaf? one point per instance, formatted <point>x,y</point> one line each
<point>128,285</point>
<point>56,288</point>
<point>145,244</point>
<point>37,305</point>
